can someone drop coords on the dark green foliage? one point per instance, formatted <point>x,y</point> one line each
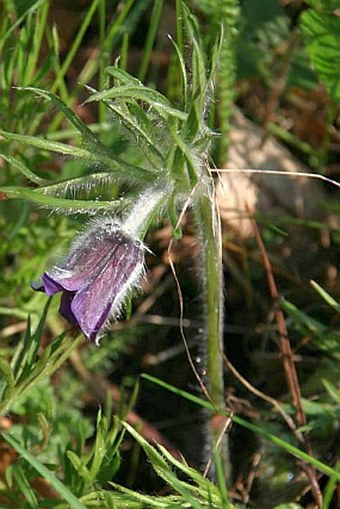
<point>321,29</point>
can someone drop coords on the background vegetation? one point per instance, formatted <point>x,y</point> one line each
<point>109,426</point>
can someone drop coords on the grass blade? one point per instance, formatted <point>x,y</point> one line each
<point>319,465</point>
<point>64,492</point>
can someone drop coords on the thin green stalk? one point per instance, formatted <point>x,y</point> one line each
<point>179,27</point>
<point>12,27</point>
<point>71,54</point>
<point>124,52</point>
<point>104,59</point>
<point>34,53</point>
<point>119,21</point>
<point>209,229</point>
<point>150,39</point>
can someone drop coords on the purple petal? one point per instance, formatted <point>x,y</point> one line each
<point>91,305</point>
<point>50,285</point>
<point>65,307</point>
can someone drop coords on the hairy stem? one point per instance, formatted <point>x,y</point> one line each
<point>212,281</point>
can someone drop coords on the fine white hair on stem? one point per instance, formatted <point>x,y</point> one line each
<point>278,172</point>
<point>141,211</point>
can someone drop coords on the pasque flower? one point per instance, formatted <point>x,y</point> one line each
<point>104,264</point>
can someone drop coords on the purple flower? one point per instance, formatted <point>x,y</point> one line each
<point>103,266</point>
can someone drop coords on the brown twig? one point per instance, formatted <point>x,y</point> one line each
<point>288,361</point>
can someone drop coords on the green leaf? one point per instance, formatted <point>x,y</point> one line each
<point>37,196</point>
<point>330,489</point>
<point>99,448</point>
<point>148,95</point>
<point>173,216</point>
<point>150,37</point>
<point>17,362</point>
<point>332,390</point>
<point>32,368</point>
<point>23,169</point>
<point>28,354</point>
<point>72,51</point>
<point>79,466</point>
<point>140,93</point>
<point>322,33</point>
<point>162,468</point>
<point>198,78</point>
<point>326,297</point>
<point>140,126</point>
<point>183,74</point>
<point>122,77</point>
<point>25,488</point>
<point>183,152</point>
<point>215,53</point>
<point>325,338</point>
<point>44,428</point>
<point>89,136</point>
<point>324,5</point>
<point>192,125</point>
<point>44,472</point>
<point>13,26</point>
<point>203,486</point>
<point>7,373</point>
<point>114,163</point>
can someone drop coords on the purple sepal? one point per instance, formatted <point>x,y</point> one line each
<point>65,307</point>
<point>47,285</point>
<point>50,285</point>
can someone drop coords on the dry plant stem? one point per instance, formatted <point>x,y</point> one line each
<point>101,387</point>
<point>209,227</point>
<point>288,362</point>
<point>316,176</point>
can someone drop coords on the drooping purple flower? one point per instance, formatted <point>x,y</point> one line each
<point>104,264</point>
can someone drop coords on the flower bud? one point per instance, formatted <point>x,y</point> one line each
<point>103,266</point>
